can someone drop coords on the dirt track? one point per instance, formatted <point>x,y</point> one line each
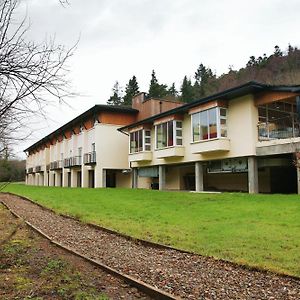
<point>186,275</point>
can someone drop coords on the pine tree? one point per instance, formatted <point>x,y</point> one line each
<point>116,98</point>
<point>132,88</point>
<point>172,90</point>
<point>187,94</point>
<point>202,77</point>
<point>157,90</point>
<point>277,51</point>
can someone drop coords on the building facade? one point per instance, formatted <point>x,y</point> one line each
<point>243,139</point>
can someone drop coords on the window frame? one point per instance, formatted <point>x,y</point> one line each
<point>218,119</point>
<point>143,139</point>
<point>175,137</point>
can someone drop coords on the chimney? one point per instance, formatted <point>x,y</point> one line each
<point>138,100</point>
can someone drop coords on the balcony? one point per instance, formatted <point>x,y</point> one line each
<point>56,165</point>
<point>176,151</point>
<point>74,161</point>
<point>140,156</point>
<point>30,171</point>
<point>209,146</point>
<point>38,169</point>
<point>89,158</point>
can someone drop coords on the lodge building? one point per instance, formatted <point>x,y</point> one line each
<point>242,139</point>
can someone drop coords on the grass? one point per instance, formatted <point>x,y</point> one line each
<point>255,230</point>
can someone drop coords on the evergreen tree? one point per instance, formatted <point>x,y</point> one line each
<point>172,90</point>
<point>157,90</point>
<point>277,51</point>
<point>116,98</point>
<point>202,77</point>
<point>187,94</point>
<point>132,88</point>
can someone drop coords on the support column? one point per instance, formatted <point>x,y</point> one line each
<point>84,176</point>
<point>162,177</point>
<point>134,178</point>
<point>98,176</point>
<point>252,175</point>
<point>45,176</point>
<point>104,178</point>
<point>297,155</point>
<point>298,178</point>
<point>73,178</point>
<point>51,178</point>
<point>199,176</point>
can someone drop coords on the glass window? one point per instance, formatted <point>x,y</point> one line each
<point>212,119</point>
<point>196,127</point>
<point>203,125</point>
<point>209,124</point>
<point>140,141</point>
<point>277,120</point>
<point>168,134</point>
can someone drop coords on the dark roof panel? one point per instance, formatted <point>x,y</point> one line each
<point>241,90</point>
<point>92,111</point>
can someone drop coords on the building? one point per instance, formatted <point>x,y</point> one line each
<point>242,139</point>
<point>86,152</point>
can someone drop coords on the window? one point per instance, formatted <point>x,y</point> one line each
<point>168,134</point>
<point>209,124</point>
<point>278,120</point>
<point>140,141</point>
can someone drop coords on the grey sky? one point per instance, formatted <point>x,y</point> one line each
<point>121,38</point>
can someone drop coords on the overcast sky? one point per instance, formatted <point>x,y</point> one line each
<point>119,39</point>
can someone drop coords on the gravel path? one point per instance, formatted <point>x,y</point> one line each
<point>186,275</point>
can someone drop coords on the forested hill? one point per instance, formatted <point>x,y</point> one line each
<point>281,67</point>
<point>278,68</point>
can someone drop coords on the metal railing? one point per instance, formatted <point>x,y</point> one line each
<point>55,165</point>
<point>269,132</point>
<point>30,170</point>
<point>38,168</point>
<point>89,158</point>
<point>72,161</point>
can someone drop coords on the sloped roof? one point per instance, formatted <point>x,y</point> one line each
<point>81,118</point>
<point>250,87</point>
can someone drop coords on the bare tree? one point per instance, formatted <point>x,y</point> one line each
<point>31,74</point>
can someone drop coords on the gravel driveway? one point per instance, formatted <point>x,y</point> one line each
<point>186,275</point>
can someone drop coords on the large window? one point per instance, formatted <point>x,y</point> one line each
<point>168,134</point>
<point>278,120</point>
<point>209,124</point>
<point>140,141</point>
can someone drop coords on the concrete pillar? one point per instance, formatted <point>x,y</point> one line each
<point>199,176</point>
<point>252,175</point>
<point>134,178</point>
<point>104,178</point>
<point>84,176</point>
<point>162,177</point>
<point>297,155</point>
<point>73,178</point>
<point>45,177</point>
<point>298,177</point>
<point>98,176</point>
<point>65,177</point>
<point>51,178</point>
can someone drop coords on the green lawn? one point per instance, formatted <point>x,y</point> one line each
<point>255,230</point>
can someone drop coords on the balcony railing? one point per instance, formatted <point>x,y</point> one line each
<point>55,165</point>
<point>89,158</point>
<point>38,169</point>
<point>270,132</point>
<point>30,170</point>
<point>72,161</point>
